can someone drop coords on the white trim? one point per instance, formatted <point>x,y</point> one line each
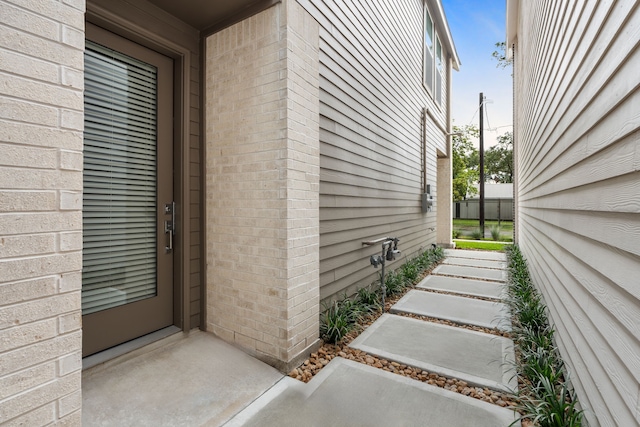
<point>513,9</point>
<point>441,19</point>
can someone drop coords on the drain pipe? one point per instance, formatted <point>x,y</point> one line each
<point>389,252</point>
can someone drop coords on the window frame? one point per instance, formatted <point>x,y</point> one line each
<point>432,64</point>
<point>438,74</point>
<point>428,60</point>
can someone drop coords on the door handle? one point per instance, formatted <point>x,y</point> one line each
<point>170,225</point>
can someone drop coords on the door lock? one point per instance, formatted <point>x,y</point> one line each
<point>170,225</point>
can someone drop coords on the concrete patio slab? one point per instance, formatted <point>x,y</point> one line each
<point>462,253</point>
<point>470,272</point>
<point>482,288</point>
<point>470,262</point>
<point>197,380</point>
<point>480,359</point>
<point>465,310</point>
<point>347,393</point>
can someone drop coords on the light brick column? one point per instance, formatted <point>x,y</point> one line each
<point>262,184</point>
<point>41,122</point>
<point>444,203</point>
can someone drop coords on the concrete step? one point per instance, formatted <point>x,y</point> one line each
<point>458,309</point>
<point>347,393</point>
<point>197,380</point>
<point>462,253</point>
<point>480,359</point>
<point>481,288</point>
<point>470,262</point>
<point>470,272</point>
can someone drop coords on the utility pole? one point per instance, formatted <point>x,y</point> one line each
<point>482,164</point>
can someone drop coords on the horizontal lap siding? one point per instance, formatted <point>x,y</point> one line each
<point>578,146</point>
<point>371,100</point>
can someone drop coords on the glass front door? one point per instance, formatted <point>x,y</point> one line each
<point>128,215</point>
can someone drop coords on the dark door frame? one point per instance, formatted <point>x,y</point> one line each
<point>106,328</point>
<point>181,55</point>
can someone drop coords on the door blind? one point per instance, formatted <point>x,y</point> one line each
<point>119,202</point>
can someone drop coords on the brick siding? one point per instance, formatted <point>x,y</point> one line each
<point>41,121</point>
<point>262,183</point>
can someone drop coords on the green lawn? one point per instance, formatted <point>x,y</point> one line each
<point>487,246</point>
<point>465,228</point>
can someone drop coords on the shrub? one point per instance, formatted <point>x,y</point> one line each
<point>551,405</point>
<point>545,397</point>
<point>477,234</point>
<point>495,232</point>
<point>341,316</point>
<point>531,339</point>
<point>336,321</point>
<point>541,362</point>
<point>455,233</point>
<point>394,283</point>
<point>410,271</point>
<point>369,299</point>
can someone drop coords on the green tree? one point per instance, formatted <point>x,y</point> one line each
<point>465,162</point>
<point>498,160</point>
<point>500,55</point>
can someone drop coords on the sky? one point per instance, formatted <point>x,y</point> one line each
<point>476,26</point>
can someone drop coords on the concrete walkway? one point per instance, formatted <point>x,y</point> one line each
<point>347,393</point>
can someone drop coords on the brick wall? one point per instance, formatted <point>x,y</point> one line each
<point>41,121</point>
<point>262,183</point>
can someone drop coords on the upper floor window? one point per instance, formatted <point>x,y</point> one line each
<point>428,50</point>
<point>433,65</point>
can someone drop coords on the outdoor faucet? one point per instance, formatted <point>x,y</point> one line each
<point>389,252</point>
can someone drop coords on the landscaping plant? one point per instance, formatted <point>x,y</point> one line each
<point>545,397</point>
<point>336,321</point>
<point>495,232</point>
<point>340,317</point>
<point>477,234</point>
<point>369,299</point>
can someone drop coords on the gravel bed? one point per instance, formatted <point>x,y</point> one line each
<point>323,356</point>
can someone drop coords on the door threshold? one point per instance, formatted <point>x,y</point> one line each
<point>131,348</point>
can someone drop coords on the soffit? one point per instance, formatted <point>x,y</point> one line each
<point>202,14</point>
<point>513,10</point>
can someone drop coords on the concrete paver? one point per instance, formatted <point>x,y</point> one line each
<point>347,393</point>
<point>481,288</point>
<point>470,262</point>
<point>477,358</point>
<point>461,253</point>
<point>470,272</point>
<point>465,310</point>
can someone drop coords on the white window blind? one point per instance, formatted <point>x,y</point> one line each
<point>439,66</point>
<point>119,205</point>
<point>428,50</point>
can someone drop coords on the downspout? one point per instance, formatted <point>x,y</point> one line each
<point>203,183</point>
<point>449,92</point>
<point>449,153</point>
<point>516,220</point>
